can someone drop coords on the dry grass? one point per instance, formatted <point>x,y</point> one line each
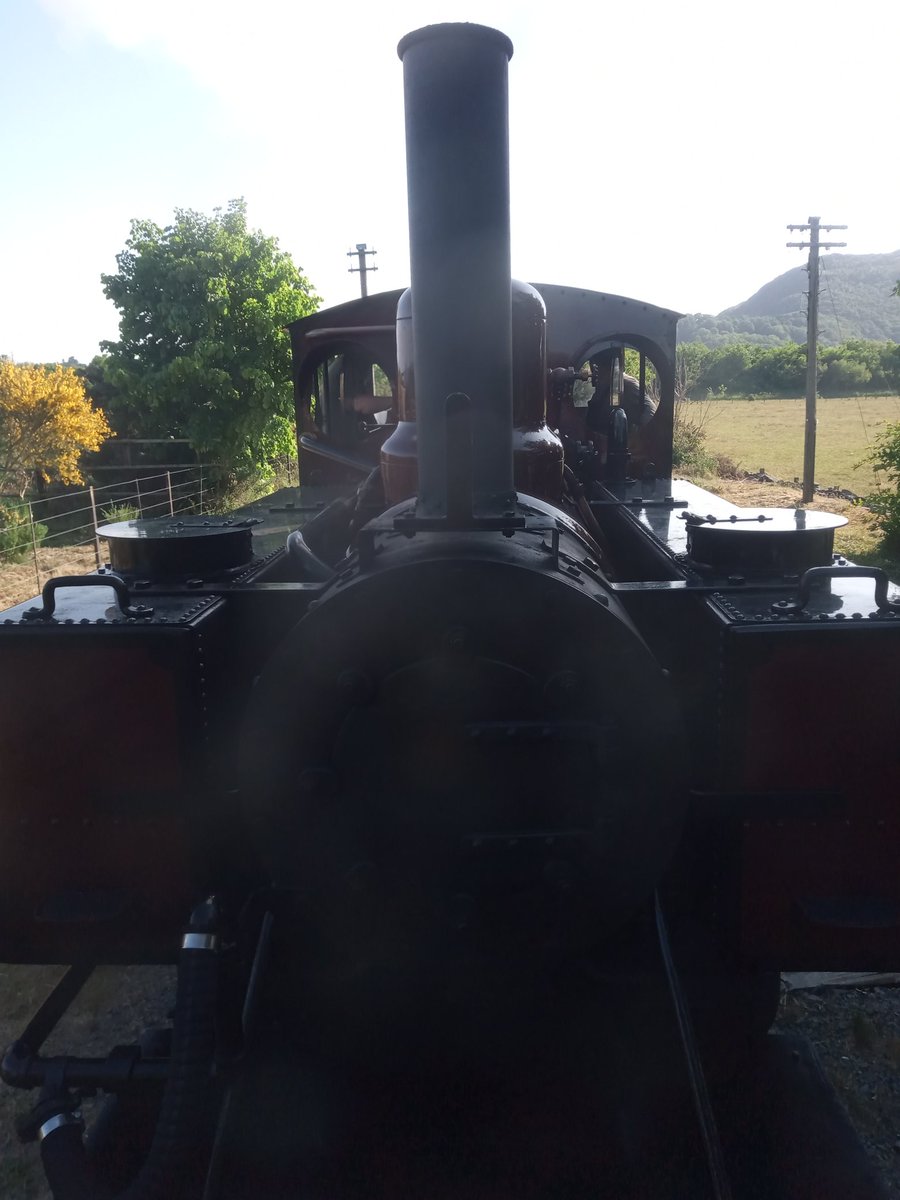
<point>19,581</point>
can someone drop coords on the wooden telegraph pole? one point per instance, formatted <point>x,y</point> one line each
<point>812,337</point>
<point>360,254</point>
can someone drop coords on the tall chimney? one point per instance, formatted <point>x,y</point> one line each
<point>457,164</point>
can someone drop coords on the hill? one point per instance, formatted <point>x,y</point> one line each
<point>855,302</point>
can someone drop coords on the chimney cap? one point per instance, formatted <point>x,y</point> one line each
<point>465,28</point>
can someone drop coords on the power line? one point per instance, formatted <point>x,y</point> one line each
<point>837,320</point>
<point>830,289</point>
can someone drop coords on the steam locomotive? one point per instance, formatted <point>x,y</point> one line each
<point>480,788</point>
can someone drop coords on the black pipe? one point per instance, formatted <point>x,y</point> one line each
<point>457,165</point>
<point>183,1112</point>
<point>120,1069</point>
<point>617,445</point>
<point>63,1159</point>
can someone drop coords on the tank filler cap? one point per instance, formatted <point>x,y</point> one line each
<point>169,547</point>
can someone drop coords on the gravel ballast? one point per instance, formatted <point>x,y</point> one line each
<point>856,1034</point>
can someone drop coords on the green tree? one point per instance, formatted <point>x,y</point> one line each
<point>850,367</point>
<point>690,361</point>
<point>725,366</point>
<point>890,364</point>
<point>202,350</point>
<point>844,377</point>
<point>780,369</point>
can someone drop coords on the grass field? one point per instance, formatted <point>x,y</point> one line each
<point>769,434</point>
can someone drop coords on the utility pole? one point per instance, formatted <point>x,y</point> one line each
<point>812,337</point>
<point>360,253</point>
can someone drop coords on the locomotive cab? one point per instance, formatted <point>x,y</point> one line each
<point>344,368</point>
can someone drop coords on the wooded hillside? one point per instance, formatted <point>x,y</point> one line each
<point>855,302</point>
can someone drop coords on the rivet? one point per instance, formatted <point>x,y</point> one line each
<point>360,878</point>
<point>355,686</point>
<point>455,638</point>
<point>562,687</point>
<point>461,910</point>
<point>561,875</point>
<point>318,781</point>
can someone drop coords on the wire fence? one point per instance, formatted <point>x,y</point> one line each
<point>57,535</point>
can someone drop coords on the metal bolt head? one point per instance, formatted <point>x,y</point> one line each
<point>355,686</point>
<point>562,688</point>
<point>461,910</point>
<point>360,878</point>
<point>455,638</point>
<point>561,875</point>
<point>319,782</point>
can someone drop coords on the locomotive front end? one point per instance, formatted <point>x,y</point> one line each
<point>446,762</point>
<point>447,789</point>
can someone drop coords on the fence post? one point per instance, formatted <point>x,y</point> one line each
<point>94,515</point>
<point>201,489</point>
<point>171,499</point>
<point>140,503</point>
<point>37,569</point>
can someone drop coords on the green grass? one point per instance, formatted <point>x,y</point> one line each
<point>769,433</point>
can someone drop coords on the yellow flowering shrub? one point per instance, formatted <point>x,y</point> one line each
<point>46,423</point>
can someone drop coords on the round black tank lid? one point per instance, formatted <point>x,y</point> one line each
<point>168,547</point>
<point>777,540</point>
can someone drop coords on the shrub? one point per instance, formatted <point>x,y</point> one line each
<point>885,502</point>
<point>725,467</point>
<point>689,437</point>
<point>886,507</point>
<point>120,512</point>
<point>17,532</point>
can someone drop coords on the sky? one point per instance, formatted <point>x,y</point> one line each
<point>658,150</point>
